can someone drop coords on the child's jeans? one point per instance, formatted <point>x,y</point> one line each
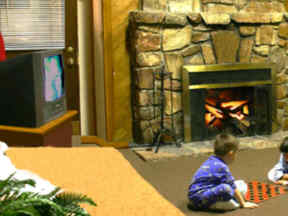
<point>232,203</point>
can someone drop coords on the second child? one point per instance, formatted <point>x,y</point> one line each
<point>279,173</point>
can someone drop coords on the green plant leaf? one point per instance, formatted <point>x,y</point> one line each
<point>13,202</point>
<point>29,211</point>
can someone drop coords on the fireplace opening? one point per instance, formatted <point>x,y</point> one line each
<point>241,105</point>
<point>229,109</point>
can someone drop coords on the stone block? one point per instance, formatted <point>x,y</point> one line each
<point>200,36</point>
<point>175,19</point>
<point>194,60</point>
<point>144,59</point>
<point>258,59</point>
<point>216,18</point>
<point>266,35</point>
<point>247,30</point>
<point>281,78</point>
<point>257,18</point>
<point>226,45</point>
<point>174,63</point>
<point>147,17</point>
<point>180,6</point>
<point>145,113</point>
<point>262,50</point>
<point>174,85</point>
<point>147,41</point>
<point>208,54</point>
<point>245,50</point>
<point>191,50</point>
<point>154,5</point>
<point>279,58</point>
<point>194,18</point>
<point>283,30</point>
<point>281,104</point>
<point>219,8</point>
<point>264,7</point>
<point>282,42</point>
<point>176,38</point>
<point>145,78</point>
<point>173,102</point>
<point>145,98</point>
<point>281,91</point>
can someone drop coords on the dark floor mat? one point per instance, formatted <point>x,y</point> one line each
<point>172,178</point>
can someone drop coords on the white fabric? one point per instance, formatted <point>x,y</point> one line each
<point>225,205</point>
<point>231,204</point>
<point>278,170</point>
<point>7,168</point>
<point>3,147</point>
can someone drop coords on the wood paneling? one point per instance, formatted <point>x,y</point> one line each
<point>117,70</point>
<point>108,68</point>
<point>101,142</point>
<point>121,70</point>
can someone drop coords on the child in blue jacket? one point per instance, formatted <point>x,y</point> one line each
<point>213,187</point>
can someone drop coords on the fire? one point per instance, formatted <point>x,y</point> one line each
<point>232,105</point>
<point>237,115</point>
<point>209,117</point>
<point>246,110</point>
<point>218,112</point>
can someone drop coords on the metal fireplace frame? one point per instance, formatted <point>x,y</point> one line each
<point>236,67</point>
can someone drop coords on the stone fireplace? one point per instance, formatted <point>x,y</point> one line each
<point>247,40</point>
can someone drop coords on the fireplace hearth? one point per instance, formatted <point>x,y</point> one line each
<point>166,36</point>
<point>234,98</point>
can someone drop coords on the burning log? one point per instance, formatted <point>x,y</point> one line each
<point>231,114</point>
<point>245,122</point>
<point>216,112</point>
<point>246,110</point>
<point>237,115</point>
<point>239,124</point>
<point>232,105</point>
<point>209,117</point>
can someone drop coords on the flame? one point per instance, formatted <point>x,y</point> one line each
<point>232,105</point>
<point>246,110</point>
<point>237,115</point>
<point>217,123</point>
<point>208,118</point>
<point>210,101</point>
<point>220,105</point>
<point>216,112</point>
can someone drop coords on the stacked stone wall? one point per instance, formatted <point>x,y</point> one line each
<point>213,6</point>
<point>162,42</point>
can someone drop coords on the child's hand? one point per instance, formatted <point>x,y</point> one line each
<point>282,182</point>
<point>250,205</point>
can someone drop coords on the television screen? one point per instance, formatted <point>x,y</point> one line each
<point>54,82</point>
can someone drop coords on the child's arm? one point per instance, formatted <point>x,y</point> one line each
<point>283,180</point>
<point>284,177</point>
<point>242,201</point>
<point>277,172</point>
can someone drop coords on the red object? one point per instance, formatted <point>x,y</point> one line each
<point>258,191</point>
<point>2,49</point>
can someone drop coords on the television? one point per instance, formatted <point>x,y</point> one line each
<point>32,89</point>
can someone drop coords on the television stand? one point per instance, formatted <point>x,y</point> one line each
<point>57,132</point>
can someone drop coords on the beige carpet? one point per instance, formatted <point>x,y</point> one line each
<point>101,173</point>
